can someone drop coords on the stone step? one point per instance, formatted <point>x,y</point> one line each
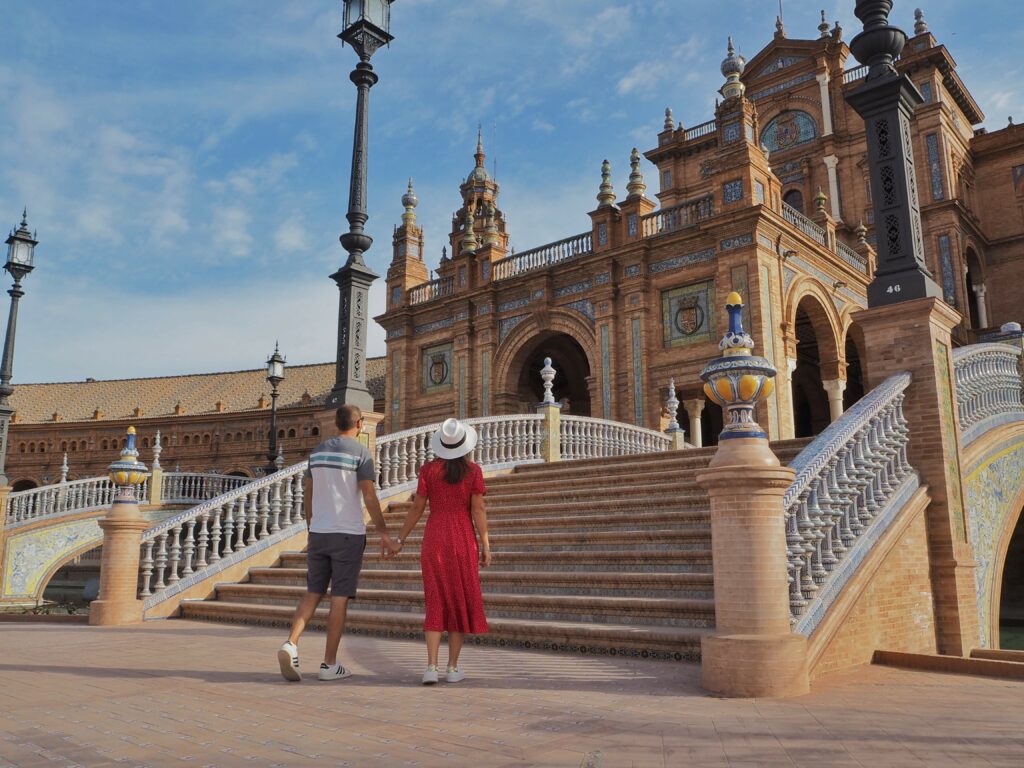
<point>573,542</point>
<point>601,560</point>
<point>668,611</point>
<point>621,583</point>
<point>679,643</point>
<point>662,482</point>
<point>680,520</point>
<point>553,507</point>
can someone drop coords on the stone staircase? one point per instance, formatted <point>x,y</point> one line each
<point>608,556</point>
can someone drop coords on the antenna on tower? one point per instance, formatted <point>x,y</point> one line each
<point>494,149</point>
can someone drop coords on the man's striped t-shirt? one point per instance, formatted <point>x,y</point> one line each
<point>336,466</point>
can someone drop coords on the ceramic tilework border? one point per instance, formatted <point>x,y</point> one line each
<point>485,388</point>
<point>604,277</point>
<point>569,290</point>
<point>990,488</point>
<point>736,242</point>
<point>30,555</point>
<point>585,307</point>
<point>434,326</point>
<point>954,499</point>
<point>946,262</point>
<point>507,324</point>
<point>682,261</point>
<point>638,379</point>
<point>773,425</point>
<point>507,306</point>
<point>606,374</point>
<point>934,166</point>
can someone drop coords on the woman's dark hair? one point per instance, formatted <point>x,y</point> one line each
<point>455,470</point>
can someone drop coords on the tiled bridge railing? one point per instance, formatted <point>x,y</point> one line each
<point>200,542</point>
<point>95,493</point>
<point>988,388</point>
<point>851,483</point>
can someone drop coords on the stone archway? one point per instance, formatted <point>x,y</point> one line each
<point>573,379</point>
<point>976,310</point>
<point>810,401</point>
<point>854,366</point>
<point>1011,596</point>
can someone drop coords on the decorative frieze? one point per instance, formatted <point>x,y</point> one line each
<point>584,307</point>
<point>569,290</point>
<point>677,262</point>
<point>434,326</point>
<point>461,315</point>
<point>934,166</point>
<point>395,333</point>
<point>604,277</point>
<point>508,306</point>
<point>507,324</point>
<point>781,87</point>
<point>946,262</point>
<point>736,242</point>
<point>633,270</point>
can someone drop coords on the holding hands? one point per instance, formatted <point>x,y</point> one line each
<point>389,547</point>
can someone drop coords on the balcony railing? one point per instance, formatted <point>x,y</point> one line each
<point>703,129</point>
<point>435,289</point>
<point>851,257</point>
<point>805,225</point>
<point>685,214</point>
<point>856,73</point>
<point>538,258</point>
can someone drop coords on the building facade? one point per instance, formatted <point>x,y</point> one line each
<point>770,197</point>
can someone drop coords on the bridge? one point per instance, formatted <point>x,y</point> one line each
<point>604,535</point>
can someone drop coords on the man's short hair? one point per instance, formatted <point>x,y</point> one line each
<point>347,417</point>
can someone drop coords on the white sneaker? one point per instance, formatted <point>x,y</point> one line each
<point>333,672</point>
<point>288,658</point>
<point>430,676</point>
<point>455,675</point>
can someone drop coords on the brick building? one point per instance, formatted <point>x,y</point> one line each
<point>211,421</point>
<point>769,197</point>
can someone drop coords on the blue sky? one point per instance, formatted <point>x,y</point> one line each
<point>186,161</point>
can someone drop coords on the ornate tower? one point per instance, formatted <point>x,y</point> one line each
<point>407,268</point>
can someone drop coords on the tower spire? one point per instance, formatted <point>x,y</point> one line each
<point>636,186</point>
<point>480,156</point>
<point>606,194</point>
<point>823,26</point>
<point>409,201</point>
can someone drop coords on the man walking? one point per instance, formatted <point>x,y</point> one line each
<point>339,481</point>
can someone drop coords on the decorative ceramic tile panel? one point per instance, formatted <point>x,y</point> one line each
<point>485,270</point>
<point>781,63</point>
<point>434,326</point>
<point>604,277</point>
<point>946,263</point>
<point>736,242</point>
<point>506,325</point>
<point>485,387</point>
<point>396,294</point>
<point>633,270</point>
<point>461,315</point>
<point>681,261</point>
<point>926,92</point>
<point>780,87</point>
<point>437,368</point>
<point>954,500</point>
<point>396,333</point>
<point>934,166</point>
<point>686,315</point>
<point>769,348</point>
<point>638,388</point>
<point>569,290</point>
<point>732,191</point>
<point>585,307</point>
<point>631,224</point>
<point>731,132</point>
<point>758,192</point>
<point>602,233</point>
<point>789,129</point>
<point>396,381</point>
<point>32,555</point>
<point>462,386</point>
<point>483,309</point>
<point>766,242</point>
<point>606,374</point>
<point>515,304</point>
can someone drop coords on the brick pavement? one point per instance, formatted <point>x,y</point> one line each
<point>183,693</point>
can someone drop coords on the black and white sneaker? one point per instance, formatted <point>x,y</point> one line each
<point>333,672</point>
<point>288,658</point>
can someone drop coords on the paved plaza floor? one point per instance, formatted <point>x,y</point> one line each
<point>193,694</point>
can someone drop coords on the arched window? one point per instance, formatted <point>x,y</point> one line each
<point>74,446</point>
<point>22,448</point>
<point>248,435</point>
<point>315,432</point>
<point>787,130</point>
<point>227,437</point>
<point>42,447</point>
<point>185,440</point>
<point>104,445</point>
<point>794,199</point>
<point>291,433</point>
<point>238,437</point>
<point>280,434</point>
<point>145,442</point>
<point>64,445</point>
<point>206,439</point>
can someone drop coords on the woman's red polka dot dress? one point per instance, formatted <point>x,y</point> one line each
<point>449,556</point>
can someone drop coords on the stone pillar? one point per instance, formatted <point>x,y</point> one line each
<point>826,103</point>
<point>694,408</point>
<point>831,164</point>
<point>156,486</point>
<point>915,336</point>
<point>753,652</point>
<point>551,446</point>
<point>834,388</point>
<point>979,294</point>
<point>118,602</point>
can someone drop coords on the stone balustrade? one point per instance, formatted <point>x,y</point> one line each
<point>569,249</point>
<point>435,289</point>
<point>805,225</point>
<point>218,531</point>
<point>989,388</point>
<point>583,437</point>
<point>188,487</point>
<point>679,216</point>
<point>699,131</point>
<point>63,499</point>
<point>850,484</point>
<point>851,257</point>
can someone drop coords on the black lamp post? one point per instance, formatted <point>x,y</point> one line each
<point>886,100</point>
<point>21,246</point>
<point>275,375</point>
<point>366,29</point>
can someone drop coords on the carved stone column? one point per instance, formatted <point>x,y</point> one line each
<point>694,408</point>
<point>834,388</point>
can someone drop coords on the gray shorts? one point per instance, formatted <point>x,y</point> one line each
<point>335,559</point>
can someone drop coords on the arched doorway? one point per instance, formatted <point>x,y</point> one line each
<point>571,386</point>
<point>1011,598</point>
<point>854,373</point>
<point>810,402</point>
<point>794,199</point>
<point>24,485</point>
<point>975,290</point>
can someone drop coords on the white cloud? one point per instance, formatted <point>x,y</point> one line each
<point>230,231</point>
<point>290,236</point>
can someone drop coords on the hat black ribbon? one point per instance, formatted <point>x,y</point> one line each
<point>450,446</point>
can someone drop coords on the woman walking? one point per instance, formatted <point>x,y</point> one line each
<point>450,556</point>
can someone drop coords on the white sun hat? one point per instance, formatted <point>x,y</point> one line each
<point>453,439</point>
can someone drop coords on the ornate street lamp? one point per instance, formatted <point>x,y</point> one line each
<point>367,25</point>
<point>21,246</point>
<point>275,375</point>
